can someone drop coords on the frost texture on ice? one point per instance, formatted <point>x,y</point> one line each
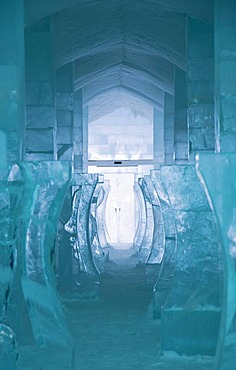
<point>190,319</point>
<point>218,176</point>
<point>46,184</point>
<point>163,284</point>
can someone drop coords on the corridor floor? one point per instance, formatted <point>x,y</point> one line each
<point>116,331</point>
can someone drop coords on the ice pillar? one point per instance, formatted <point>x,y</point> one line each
<point>169,128</point>
<point>12,77</point>
<point>80,135</point>
<point>225,75</point>
<point>65,109</point>
<point>181,134</point>
<point>200,76</point>
<point>158,138</point>
<point>40,92</point>
<point>64,139</point>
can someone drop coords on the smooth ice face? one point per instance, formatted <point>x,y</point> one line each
<point>192,310</point>
<point>218,176</point>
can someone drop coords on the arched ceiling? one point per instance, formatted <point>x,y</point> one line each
<point>120,45</point>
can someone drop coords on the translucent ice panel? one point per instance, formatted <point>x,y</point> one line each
<point>123,134</point>
<point>191,316</point>
<point>218,175</point>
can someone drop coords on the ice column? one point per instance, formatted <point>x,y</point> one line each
<point>80,134</point>
<point>191,315</point>
<point>181,134</point>
<point>200,80</point>
<point>40,92</point>
<point>45,188</point>
<point>218,175</point>
<point>225,75</point>
<point>12,76</point>
<point>65,111</point>
<point>64,140</point>
<point>158,138</point>
<point>169,128</point>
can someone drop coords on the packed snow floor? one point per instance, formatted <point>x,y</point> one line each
<point>117,331</point>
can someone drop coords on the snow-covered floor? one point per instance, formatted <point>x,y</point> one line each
<point>116,331</point>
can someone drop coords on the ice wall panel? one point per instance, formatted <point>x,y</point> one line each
<point>192,310</point>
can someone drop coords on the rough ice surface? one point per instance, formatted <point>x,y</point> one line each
<point>191,315</point>
<point>218,176</point>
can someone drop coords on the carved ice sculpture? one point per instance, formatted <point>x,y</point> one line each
<point>167,227</point>
<point>101,215</point>
<point>45,187</point>
<point>190,319</point>
<point>96,248</point>
<point>218,176</point>
<point>155,256</point>
<point>141,224</point>
<point>11,186</point>
<point>146,245</point>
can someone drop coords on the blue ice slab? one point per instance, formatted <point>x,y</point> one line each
<point>217,173</point>
<point>191,316</point>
